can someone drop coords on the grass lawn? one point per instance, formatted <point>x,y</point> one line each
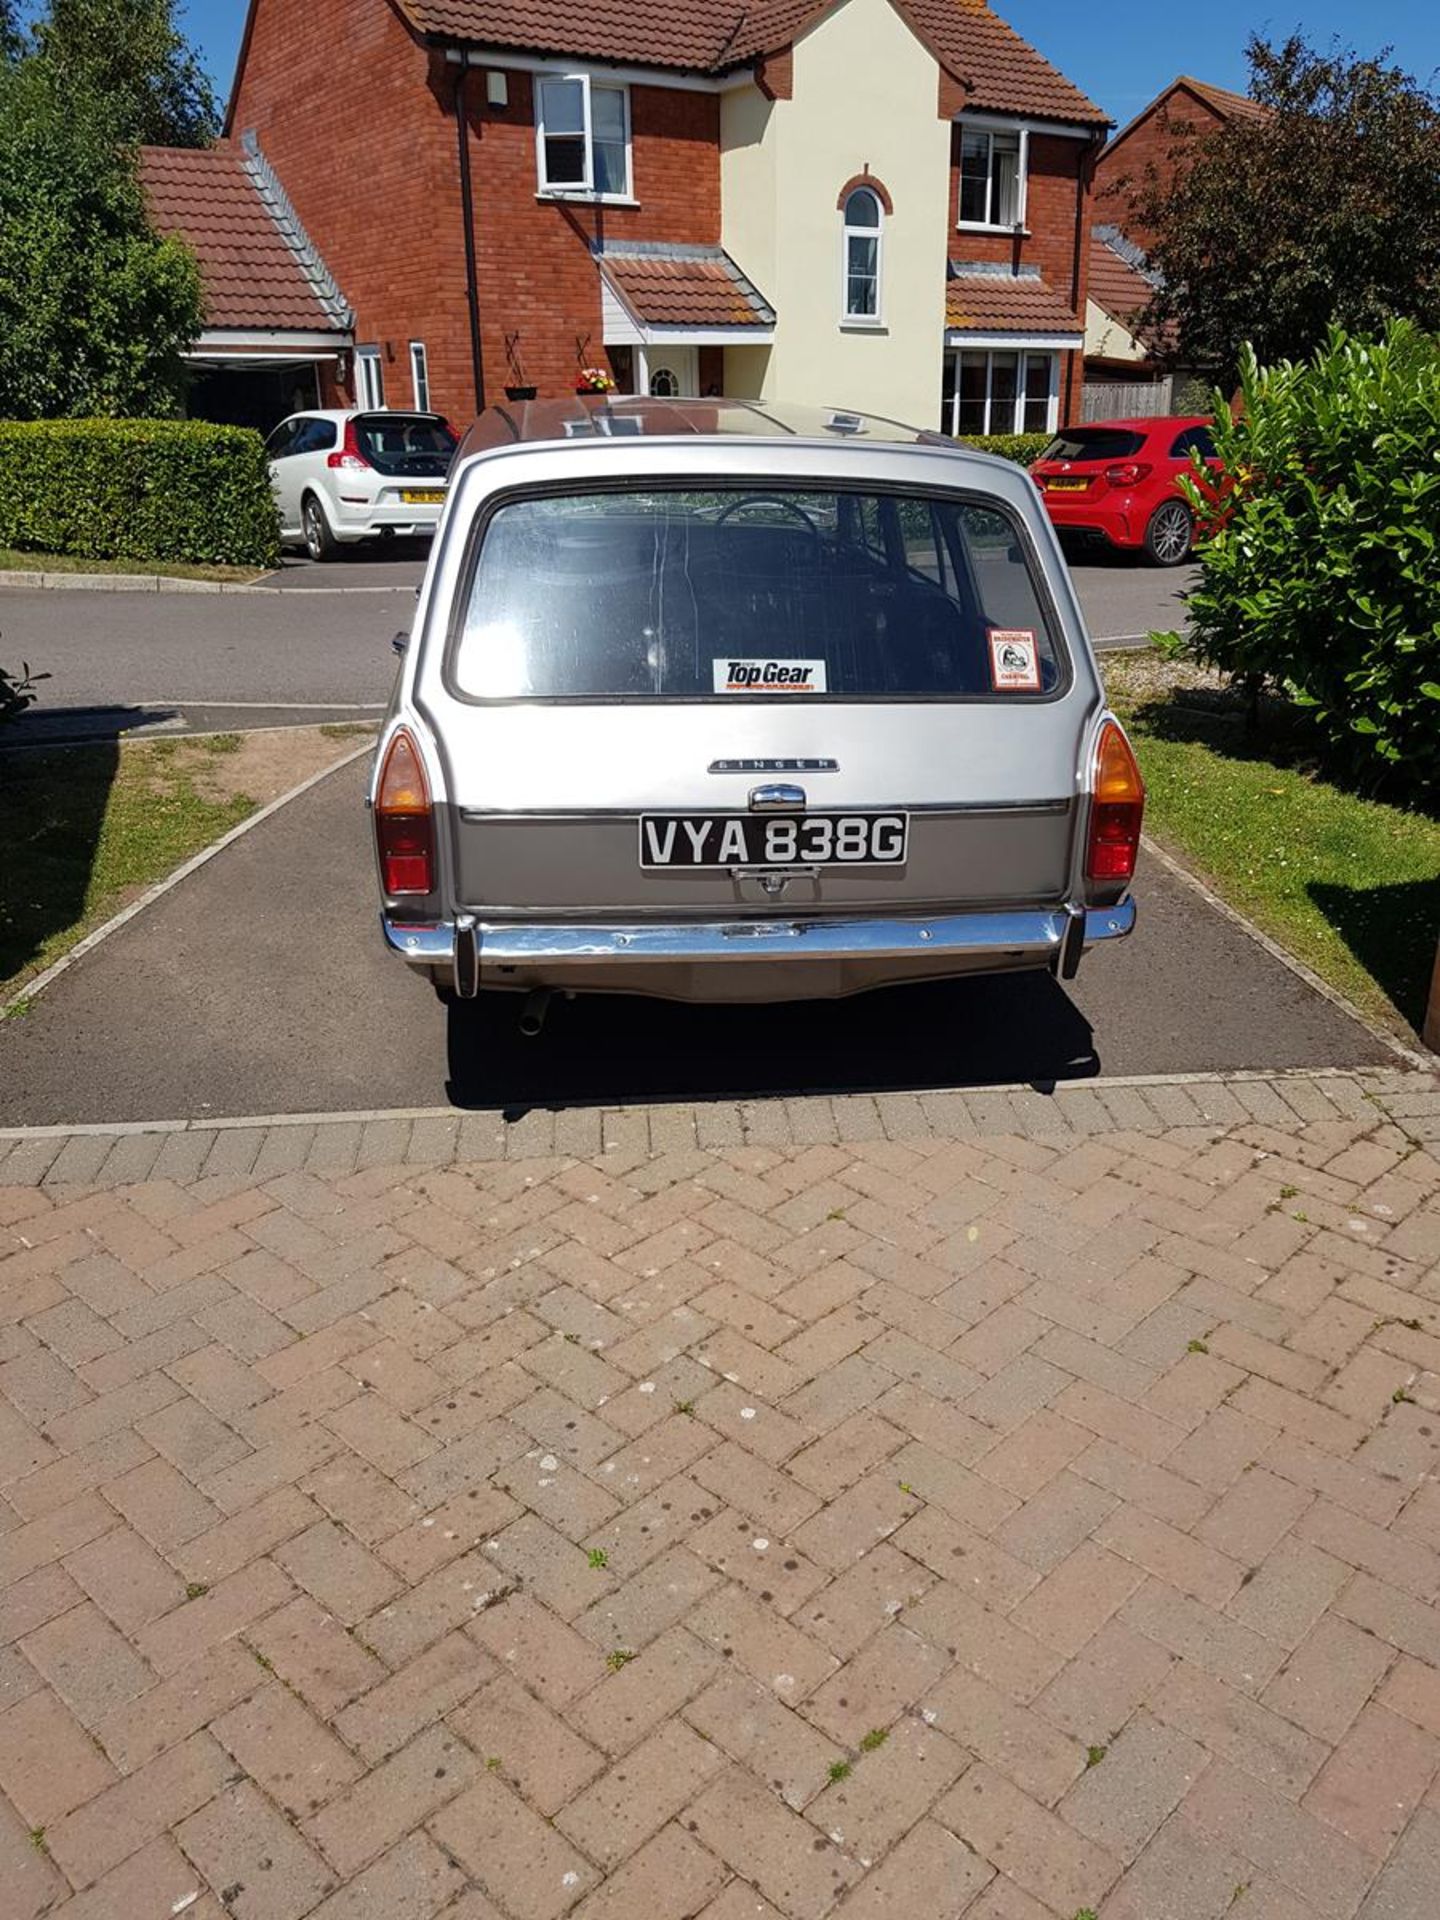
<point>13,560</point>
<point>1349,885</point>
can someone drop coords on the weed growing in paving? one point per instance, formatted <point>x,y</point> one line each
<point>621,1657</point>
<point>839,1769</point>
<point>1094,1755</point>
<point>196,1590</point>
<point>1197,1346</point>
<point>598,1557</point>
<point>876,1737</point>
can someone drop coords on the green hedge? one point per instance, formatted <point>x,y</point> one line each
<point>158,490</point>
<point>1320,559</point>
<point>1023,448</point>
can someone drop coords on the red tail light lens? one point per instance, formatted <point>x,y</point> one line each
<point>1116,810</point>
<point>404,821</point>
<point>1129,474</point>
<point>349,459</point>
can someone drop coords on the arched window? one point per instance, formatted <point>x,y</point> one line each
<point>863,243</point>
<point>664,385</point>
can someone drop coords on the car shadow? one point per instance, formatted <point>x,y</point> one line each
<point>609,1049</point>
<point>1391,931</point>
<point>73,726</point>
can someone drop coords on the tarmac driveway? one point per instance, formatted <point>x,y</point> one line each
<point>260,986</point>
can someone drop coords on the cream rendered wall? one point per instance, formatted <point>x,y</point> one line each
<point>1106,339</point>
<point>865,93</point>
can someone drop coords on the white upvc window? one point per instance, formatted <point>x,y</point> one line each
<point>582,137</point>
<point>994,167</point>
<point>863,257</point>
<point>999,390</point>
<point>420,375</point>
<point>369,378</point>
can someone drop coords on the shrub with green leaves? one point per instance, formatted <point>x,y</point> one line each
<point>1023,448</point>
<point>159,490</point>
<point>1321,574</point>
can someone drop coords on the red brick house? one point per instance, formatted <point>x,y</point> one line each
<point>1124,369</point>
<point>881,204</point>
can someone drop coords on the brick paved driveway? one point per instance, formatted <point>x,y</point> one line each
<point>990,1523</point>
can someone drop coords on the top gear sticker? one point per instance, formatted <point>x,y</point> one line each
<point>770,676</point>
<point>1014,660</point>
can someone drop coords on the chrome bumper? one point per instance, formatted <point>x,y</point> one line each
<point>484,946</point>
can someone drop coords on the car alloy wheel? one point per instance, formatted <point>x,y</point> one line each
<point>1170,533</point>
<point>319,541</point>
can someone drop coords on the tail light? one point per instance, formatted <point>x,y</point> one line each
<point>1116,809</point>
<point>349,459</point>
<point>404,821</point>
<point>1129,474</point>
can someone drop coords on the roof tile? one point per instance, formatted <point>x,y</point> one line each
<point>1003,73</point>
<point>250,275</point>
<point>685,287</point>
<point>996,303</point>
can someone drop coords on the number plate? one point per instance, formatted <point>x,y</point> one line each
<point>773,839</point>
<point>1066,486</point>
<point>423,497</point>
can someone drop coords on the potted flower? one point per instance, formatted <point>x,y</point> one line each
<point>594,380</point>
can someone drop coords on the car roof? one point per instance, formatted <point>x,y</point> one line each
<point>591,417</point>
<point>356,413</point>
<point>1143,422</point>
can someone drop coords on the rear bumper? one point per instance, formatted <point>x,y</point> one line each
<point>352,521</point>
<point>1118,518</point>
<point>471,954</point>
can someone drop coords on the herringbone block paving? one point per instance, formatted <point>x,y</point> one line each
<point>1016,1522</point>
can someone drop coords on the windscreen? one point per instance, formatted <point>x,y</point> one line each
<point>753,593</point>
<point>405,443</point>
<point>1094,443</point>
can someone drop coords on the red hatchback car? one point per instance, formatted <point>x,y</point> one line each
<point>1118,480</point>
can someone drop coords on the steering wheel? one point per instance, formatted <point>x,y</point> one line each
<point>770,500</point>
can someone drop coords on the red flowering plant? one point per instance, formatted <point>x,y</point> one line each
<point>594,380</point>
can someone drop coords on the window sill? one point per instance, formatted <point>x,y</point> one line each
<point>581,198</point>
<point>863,326</point>
<point>986,226</point>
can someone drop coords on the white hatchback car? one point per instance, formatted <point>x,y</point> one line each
<point>340,477</point>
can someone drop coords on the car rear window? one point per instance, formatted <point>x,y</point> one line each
<point>405,443</point>
<point>752,592</point>
<point>1094,443</point>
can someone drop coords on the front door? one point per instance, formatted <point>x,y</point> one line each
<point>672,373</point>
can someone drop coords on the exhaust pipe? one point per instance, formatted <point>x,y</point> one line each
<point>532,1014</point>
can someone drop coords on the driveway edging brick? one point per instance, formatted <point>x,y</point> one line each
<point>106,1155</point>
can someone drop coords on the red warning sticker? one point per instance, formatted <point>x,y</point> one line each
<point>1014,660</point>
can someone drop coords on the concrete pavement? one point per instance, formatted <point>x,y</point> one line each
<point>260,986</point>
<point>951,1519</point>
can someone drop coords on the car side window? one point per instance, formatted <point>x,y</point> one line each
<point>314,436</point>
<point>1194,439</point>
<point>281,443</point>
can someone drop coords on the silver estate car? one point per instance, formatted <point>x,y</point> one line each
<point>726,701</point>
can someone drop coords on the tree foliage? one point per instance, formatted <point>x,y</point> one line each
<point>1320,570</point>
<point>96,309</point>
<point>1324,210</point>
<point>132,55</point>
